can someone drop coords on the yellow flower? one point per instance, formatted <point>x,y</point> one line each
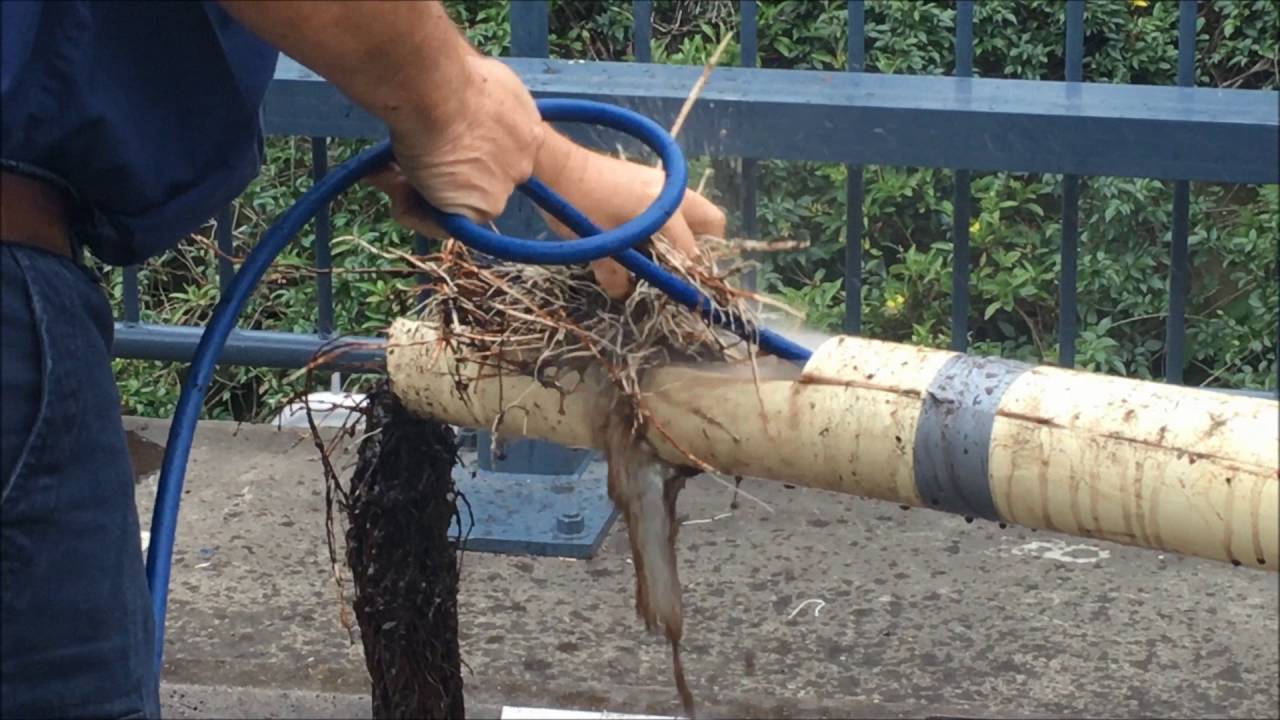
<point>894,303</point>
<point>1141,3</point>
<point>974,227</point>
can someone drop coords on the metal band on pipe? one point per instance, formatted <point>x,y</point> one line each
<point>953,434</point>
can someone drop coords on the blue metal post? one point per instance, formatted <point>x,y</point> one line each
<point>642,30</point>
<point>129,290</point>
<point>224,239</point>
<point>854,188</point>
<point>324,236</point>
<point>537,497</point>
<point>749,39</point>
<point>961,212</point>
<point>1068,282</point>
<point>1179,263</point>
<point>529,38</point>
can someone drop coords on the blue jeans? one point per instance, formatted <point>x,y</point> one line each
<point>77,636</point>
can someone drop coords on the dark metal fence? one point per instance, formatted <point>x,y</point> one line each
<point>1179,134</point>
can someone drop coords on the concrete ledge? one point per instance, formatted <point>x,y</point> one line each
<point>822,606</point>
<point>204,701</point>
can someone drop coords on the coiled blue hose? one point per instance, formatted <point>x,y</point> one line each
<point>592,244</point>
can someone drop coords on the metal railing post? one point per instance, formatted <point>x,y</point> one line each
<point>857,62</point>
<point>961,258</point>
<point>530,37</point>
<point>1068,282</point>
<point>1179,260</point>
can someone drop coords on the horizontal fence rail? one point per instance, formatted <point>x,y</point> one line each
<point>258,348</point>
<point>1074,128</point>
<point>979,124</point>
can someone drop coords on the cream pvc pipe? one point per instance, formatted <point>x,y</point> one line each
<point>1172,468</point>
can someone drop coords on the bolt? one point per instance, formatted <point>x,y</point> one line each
<point>570,523</point>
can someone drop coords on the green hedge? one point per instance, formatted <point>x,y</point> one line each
<point>1124,244</point>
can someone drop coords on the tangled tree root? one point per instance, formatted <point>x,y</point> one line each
<point>405,567</point>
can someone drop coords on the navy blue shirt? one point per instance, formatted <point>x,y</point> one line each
<point>149,110</point>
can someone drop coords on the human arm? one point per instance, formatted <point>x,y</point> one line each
<point>464,128</point>
<point>401,61</point>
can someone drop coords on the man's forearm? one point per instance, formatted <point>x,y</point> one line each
<point>408,64</point>
<point>401,61</point>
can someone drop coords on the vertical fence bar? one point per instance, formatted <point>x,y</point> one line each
<point>749,42</point>
<point>324,236</point>
<point>749,33</point>
<point>129,290</point>
<point>530,28</point>
<point>961,213</point>
<point>1179,263</point>
<point>225,241</point>
<point>530,37</point>
<point>1068,282</point>
<point>854,187</point>
<point>642,30</point>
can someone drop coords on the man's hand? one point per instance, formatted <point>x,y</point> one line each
<point>464,128</point>
<point>611,192</point>
<point>607,190</point>
<point>471,164</point>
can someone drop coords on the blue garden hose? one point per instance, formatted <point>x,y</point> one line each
<point>593,244</point>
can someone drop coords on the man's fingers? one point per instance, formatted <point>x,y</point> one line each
<point>703,216</point>
<point>615,280</point>
<point>407,207</point>
<point>386,178</point>
<point>680,237</point>
<point>697,216</point>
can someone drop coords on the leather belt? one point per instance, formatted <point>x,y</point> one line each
<point>34,213</point>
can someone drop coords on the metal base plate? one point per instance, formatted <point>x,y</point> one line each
<point>529,514</point>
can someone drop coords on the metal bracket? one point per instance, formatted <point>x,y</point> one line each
<point>519,513</point>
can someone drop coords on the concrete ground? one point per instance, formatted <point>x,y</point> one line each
<point>823,606</point>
